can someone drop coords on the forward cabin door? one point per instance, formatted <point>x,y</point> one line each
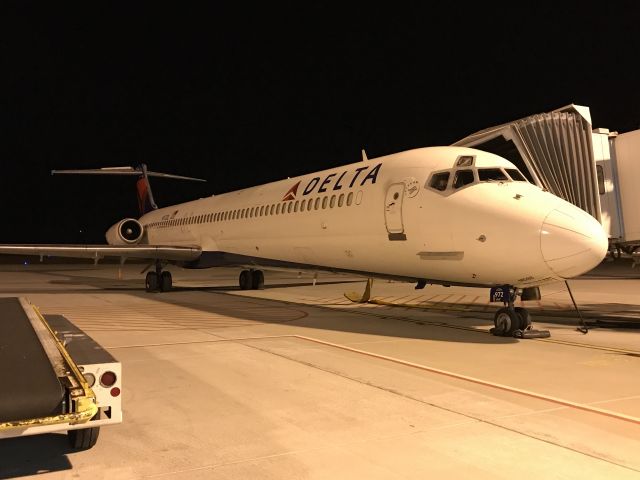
<point>393,212</point>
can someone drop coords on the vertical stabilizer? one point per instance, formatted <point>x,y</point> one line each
<point>145,196</point>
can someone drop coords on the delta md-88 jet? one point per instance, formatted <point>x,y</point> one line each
<point>439,215</point>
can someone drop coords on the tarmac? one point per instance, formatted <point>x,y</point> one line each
<point>297,382</point>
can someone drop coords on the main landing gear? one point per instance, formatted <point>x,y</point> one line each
<point>512,321</point>
<point>251,280</point>
<point>158,281</point>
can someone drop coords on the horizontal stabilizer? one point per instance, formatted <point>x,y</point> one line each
<point>123,171</point>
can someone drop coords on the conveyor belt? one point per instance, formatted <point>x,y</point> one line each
<point>29,386</point>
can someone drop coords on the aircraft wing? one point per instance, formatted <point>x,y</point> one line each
<point>156,252</point>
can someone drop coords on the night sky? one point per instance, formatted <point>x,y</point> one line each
<point>241,95</point>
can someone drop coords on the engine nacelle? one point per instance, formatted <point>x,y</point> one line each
<point>126,232</point>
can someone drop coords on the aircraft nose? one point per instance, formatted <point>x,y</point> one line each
<point>572,241</point>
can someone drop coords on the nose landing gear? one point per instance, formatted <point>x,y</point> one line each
<point>512,321</point>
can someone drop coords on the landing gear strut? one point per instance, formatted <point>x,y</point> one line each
<point>158,280</point>
<point>251,280</point>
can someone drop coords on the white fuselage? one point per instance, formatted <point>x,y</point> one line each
<point>383,217</point>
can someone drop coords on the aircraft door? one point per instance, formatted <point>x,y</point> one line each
<point>393,212</point>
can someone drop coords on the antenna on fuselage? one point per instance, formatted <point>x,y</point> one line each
<point>364,156</point>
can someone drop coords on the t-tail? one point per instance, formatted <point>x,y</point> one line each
<point>146,203</point>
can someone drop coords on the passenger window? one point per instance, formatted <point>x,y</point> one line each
<point>273,209</point>
<point>439,181</point>
<point>600,174</point>
<point>515,175</point>
<point>349,199</point>
<point>341,199</point>
<point>302,205</point>
<point>295,206</point>
<point>325,200</point>
<point>316,205</point>
<point>290,207</point>
<point>332,203</point>
<point>309,204</point>
<point>491,175</point>
<point>462,178</point>
<point>359,197</point>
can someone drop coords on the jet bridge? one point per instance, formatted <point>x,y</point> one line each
<point>554,150</point>
<point>596,170</point>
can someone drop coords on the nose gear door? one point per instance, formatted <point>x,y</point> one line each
<point>393,212</point>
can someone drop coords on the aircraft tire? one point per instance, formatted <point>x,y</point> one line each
<point>245,280</point>
<point>151,282</point>
<point>257,280</point>
<point>524,316</point>
<point>506,322</point>
<point>166,282</point>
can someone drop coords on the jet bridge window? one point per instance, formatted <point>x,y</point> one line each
<point>462,178</point>
<point>492,175</point>
<point>439,181</point>
<point>600,175</point>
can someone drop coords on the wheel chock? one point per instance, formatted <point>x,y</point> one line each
<point>521,333</point>
<point>531,334</point>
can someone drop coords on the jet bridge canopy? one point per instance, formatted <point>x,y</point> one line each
<point>554,150</point>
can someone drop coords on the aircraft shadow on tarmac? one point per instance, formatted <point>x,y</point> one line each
<point>390,323</point>
<point>34,455</point>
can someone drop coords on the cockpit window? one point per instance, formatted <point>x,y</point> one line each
<point>464,161</point>
<point>515,175</point>
<point>462,178</point>
<point>491,175</point>
<point>439,181</point>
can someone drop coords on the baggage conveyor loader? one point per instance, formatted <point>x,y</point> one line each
<point>54,377</point>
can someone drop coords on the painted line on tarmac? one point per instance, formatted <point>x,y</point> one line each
<point>527,393</point>
<point>458,376</point>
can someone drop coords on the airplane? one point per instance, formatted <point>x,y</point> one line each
<point>433,215</point>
